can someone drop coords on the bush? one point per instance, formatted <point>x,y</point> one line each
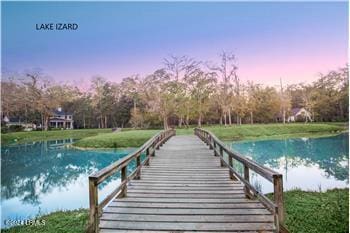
<point>15,128</point>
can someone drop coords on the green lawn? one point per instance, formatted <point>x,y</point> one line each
<point>307,212</point>
<point>316,212</point>
<point>19,137</point>
<point>262,131</point>
<point>129,138</point>
<point>62,221</point>
<point>104,138</point>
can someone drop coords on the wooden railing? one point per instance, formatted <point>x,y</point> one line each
<point>121,165</point>
<point>276,206</point>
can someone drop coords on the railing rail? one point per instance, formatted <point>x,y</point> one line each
<point>121,165</point>
<point>276,206</point>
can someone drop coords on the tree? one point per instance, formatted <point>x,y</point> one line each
<point>178,69</point>
<point>267,104</point>
<point>329,96</point>
<point>97,88</point>
<point>43,96</point>
<point>238,100</point>
<point>285,102</point>
<point>252,100</point>
<point>201,85</point>
<point>182,92</point>
<point>227,71</point>
<point>122,112</point>
<point>159,92</point>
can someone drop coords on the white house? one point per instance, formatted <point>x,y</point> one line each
<point>61,119</point>
<point>299,114</point>
<point>11,121</point>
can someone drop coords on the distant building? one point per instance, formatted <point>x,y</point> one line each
<point>11,121</point>
<point>299,114</point>
<point>61,119</point>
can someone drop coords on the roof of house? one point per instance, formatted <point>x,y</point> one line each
<point>12,119</point>
<point>294,111</point>
<point>58,119</point>
<point>60,112</point>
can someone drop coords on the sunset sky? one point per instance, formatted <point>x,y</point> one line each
<point>292,41</point>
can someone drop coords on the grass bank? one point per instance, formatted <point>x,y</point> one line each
<point>317,211</point>
<point>104,138</point>
<point>74,221</point>
<point>129,138</point>
<point>308,212</point>
<point>20,137</point>
<point>135,138</point>
<point>262,131</point>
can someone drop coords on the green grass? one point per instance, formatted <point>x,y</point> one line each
<point>313,212</point>
<point>20,137</point>
<point>129,138</point>
<point>104,138</point>
<point>263,131</point>
<point>62,221</point>
<point>135,138</point>
<point>306,212</point>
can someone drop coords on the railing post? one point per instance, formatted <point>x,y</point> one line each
<point>210,142</point>
<point>157,143</point>
<point>124,176</point>
<point>161,139</point>
<point>230,161</point>
<point>246,177</point>
<point>138,167</point>
<point>148,157</point>
<point>215,154</point>
<point>221,156</point>
<point>153,149</point>
<point>93,197</point>
<point>278,196</point>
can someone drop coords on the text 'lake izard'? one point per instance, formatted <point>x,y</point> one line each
<point>56,26</point>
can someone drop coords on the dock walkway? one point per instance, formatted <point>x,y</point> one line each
<point>185,188</point>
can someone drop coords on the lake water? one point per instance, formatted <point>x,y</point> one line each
<point>306,163</point>
<point>46,176</point>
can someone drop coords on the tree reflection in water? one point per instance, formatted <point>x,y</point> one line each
<point>33,169</point>
<point>329,154</point>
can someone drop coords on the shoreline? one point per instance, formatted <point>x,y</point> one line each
<point>285,136</point>
<point>232,139</point>
<point>99,148</point>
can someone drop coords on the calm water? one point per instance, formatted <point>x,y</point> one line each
<point>46,176</point>
<point>306,163</point>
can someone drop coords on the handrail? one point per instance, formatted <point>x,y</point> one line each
<point>121,165</point>
<point>219,148</point>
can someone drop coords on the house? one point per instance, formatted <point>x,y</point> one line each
<point>61,119</point>
<point>299,114</point>
<point>13,121</point>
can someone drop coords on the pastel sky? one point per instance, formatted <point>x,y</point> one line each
<point>292,41</point>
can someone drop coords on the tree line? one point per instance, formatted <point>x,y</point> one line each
<point>181,93</point>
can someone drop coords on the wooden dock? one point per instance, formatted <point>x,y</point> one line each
<point>182,187</point>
